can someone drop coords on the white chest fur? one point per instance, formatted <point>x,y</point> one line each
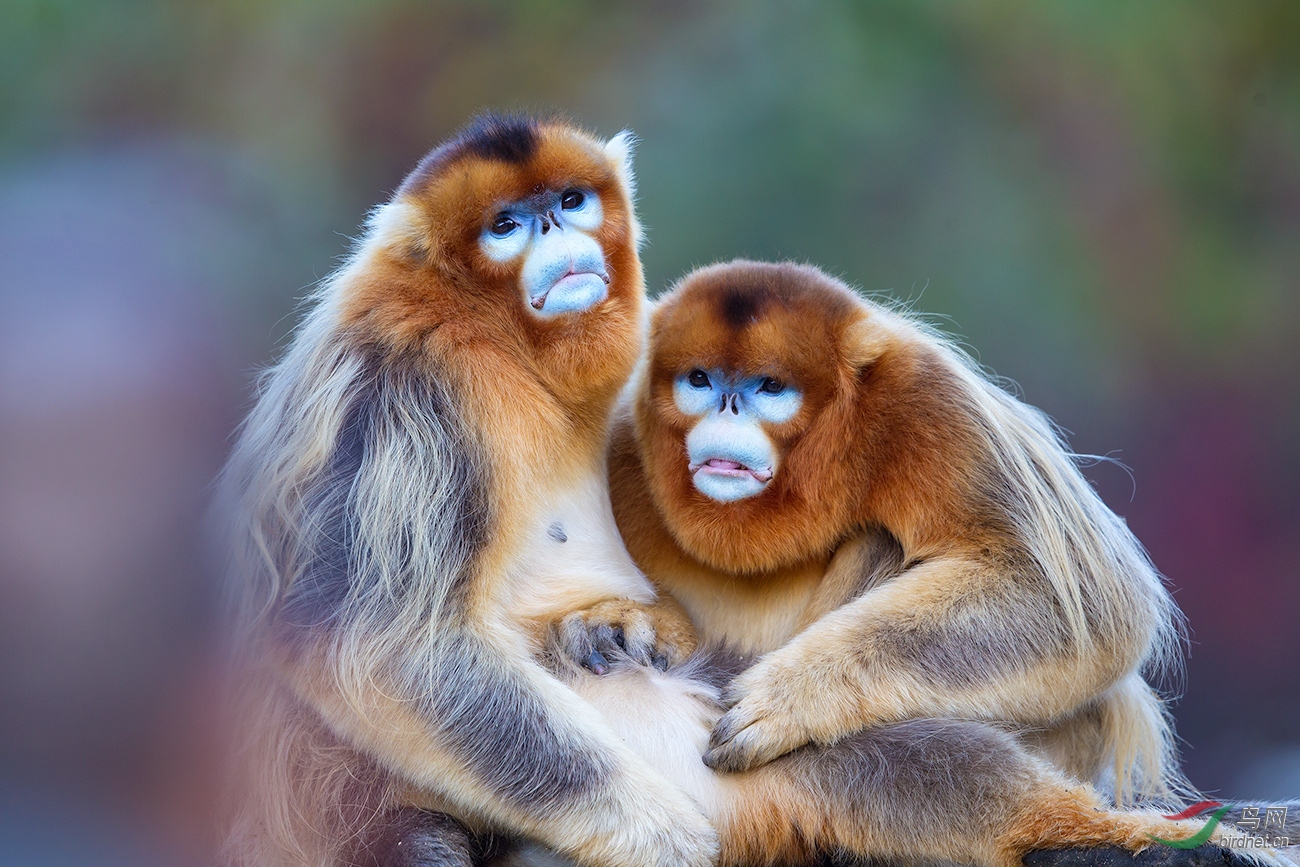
<point>572,556</point>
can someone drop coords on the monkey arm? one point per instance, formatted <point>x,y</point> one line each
<point>486,731</point>
<point>954,636</point>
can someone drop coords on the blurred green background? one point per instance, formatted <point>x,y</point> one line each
<point>1102,199</point>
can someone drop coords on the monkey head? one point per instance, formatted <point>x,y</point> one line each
<point>748,415</point>
<point>515,233</point>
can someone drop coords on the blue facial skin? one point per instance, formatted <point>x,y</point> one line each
<point>563,267</point>
<point>731,412</point>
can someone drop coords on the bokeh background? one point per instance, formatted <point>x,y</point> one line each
<point>1102,199</point>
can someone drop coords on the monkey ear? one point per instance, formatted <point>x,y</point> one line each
<point>864,340</point>
<point>619,150</point>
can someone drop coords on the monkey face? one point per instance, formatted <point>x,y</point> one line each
<point>517,236</point>
<point>749,416</point>
<point>730,455</point>
<point>533,218</point>
<point>552,236</point>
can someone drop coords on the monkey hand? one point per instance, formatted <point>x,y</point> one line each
<point>776,706</point>
<point>659,634</point>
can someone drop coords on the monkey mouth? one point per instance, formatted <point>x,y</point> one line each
<point>573,280</point>
<point>733,469</point>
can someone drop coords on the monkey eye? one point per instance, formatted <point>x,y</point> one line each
<point>503,225</point>
<point>698,378</point>
<point>770,385</point>
<point>572,200</point>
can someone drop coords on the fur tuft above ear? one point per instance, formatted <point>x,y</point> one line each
<point>863,340</point>
<point>619,149</point>
<point>396,226</point>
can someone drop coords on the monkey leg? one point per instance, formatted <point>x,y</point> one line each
<point>916,791</point>
<point>1121,743</point>
<point>938,789</point>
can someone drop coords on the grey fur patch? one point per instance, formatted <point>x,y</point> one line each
<point>317,596</point>
<point>395,404</point>
<point>932,774</point>
<point>985,636</point>
<point>504,733</point>
<point>716,665</point>
<point>415,838</point>
<point>1273,818</point>
<point>886,560</point>
<point>556,532</point>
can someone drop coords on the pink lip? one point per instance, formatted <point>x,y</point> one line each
<point>573,274</point>
<point>540,301</point>
<point>721,467</point>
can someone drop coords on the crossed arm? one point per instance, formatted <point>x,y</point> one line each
<point>958,636</point>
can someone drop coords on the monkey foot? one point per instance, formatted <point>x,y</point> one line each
<point>1208,855</point>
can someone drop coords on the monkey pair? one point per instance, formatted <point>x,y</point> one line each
<point>420,507</point>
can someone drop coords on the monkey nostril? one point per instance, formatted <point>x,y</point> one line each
<point>734,410</point>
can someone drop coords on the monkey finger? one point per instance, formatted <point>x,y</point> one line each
<point>739,751</point>
<point>639,638</point>
<point>572,640</point>
<point>651,651</point>
<point>743,739</point>
<point>610,641</point>
<point>623,630</point>
<point>582,636</point>
<point>623,641</point>
<point>597,663</point>
<point>742,753</point>
<point>728,726</point>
